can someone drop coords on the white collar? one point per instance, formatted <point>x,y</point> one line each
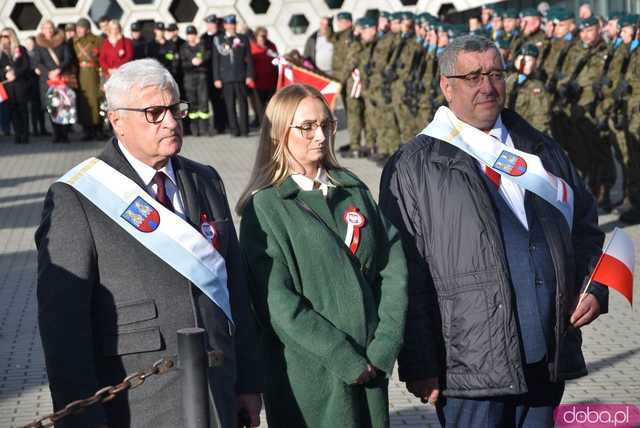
<point>499,131</point>
<point>145,171</point>
<point>306,183</point>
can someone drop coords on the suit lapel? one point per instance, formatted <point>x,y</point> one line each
<point>113,157</point>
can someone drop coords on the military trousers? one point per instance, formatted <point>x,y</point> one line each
<point>355,120</point>
<point>235,99</point>
<point>88,96</point>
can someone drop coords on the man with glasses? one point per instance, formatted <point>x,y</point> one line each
<point>134,245</point>
<point>500,233</point>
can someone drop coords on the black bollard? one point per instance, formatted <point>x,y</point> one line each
<point>195,386</point>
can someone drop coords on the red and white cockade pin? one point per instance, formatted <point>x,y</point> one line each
<point>355,221</point>
<point>209,231</point>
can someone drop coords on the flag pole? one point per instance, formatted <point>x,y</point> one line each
<point>583,294</point>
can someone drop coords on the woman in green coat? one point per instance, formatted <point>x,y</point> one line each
<point>327,274</point>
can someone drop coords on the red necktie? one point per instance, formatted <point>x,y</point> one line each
<point>161,192</point>
<point>493,175</point>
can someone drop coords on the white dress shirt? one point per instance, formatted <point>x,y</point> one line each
<point>306,184</point>
<point>512,193</point>
<point>146,173</point>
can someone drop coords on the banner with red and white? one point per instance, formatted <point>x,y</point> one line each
<point>616,265</point>
<point>4,96</point>
<point>289,73</point>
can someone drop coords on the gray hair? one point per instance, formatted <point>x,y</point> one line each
<point>140,74</point>
<point>470,43</point>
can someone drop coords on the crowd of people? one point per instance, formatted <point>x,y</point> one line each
<point>576,79</point>
<point>221,67</point>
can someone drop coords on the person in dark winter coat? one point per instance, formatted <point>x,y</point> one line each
<point>52,58</point>
<point>15,68</point>
<point>233,71</point>
<point>496,266</point>
<point>331,300</point>
<point>36,112</point>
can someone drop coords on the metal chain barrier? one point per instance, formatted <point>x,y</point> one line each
<point>104,395</point>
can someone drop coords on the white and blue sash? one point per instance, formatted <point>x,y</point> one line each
<point>158,229</point>
<point>520,167</point>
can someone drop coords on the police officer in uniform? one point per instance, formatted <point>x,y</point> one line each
<point>215,94</point>
<point>139,43</point>
<point>194,59</point>
<point>233,71</point>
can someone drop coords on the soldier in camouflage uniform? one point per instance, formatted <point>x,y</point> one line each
<point>510,31</point>
<point>398,72</point>
<point>589,148</point>
<point>531,33</point>
<point>632,77</point>
<point>526,94</point>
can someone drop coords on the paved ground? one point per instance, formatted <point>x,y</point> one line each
<point>612,344</point>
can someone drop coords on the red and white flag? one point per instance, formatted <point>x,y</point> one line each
<point>3,94</point>
<point>289,73</point>
<point>616,265</point>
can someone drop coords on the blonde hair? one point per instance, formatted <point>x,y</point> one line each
<point>14,43</point>
<point>273,158</point>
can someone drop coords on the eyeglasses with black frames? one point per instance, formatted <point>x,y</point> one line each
<point>156,114</point>
<point>474,78</point>
<point>308,128</point>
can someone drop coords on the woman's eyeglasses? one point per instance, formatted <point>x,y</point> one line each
<point>308,129</point>
<point>156,114</point>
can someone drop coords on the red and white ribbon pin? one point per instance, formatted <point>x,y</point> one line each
<point>208,230</point>
<point>355,221</point>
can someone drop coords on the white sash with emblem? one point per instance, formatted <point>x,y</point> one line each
<point>524,169</point>
<point>158,229</point>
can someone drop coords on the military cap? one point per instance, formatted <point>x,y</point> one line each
<point>385,14</point>
<point>159,26</point>
<point>616,14</point>
<point>211,19</point>
<point>83,22</point>
<point>627,20</point>
<point>529,11</point>
<point>562,14</point>
<point>529,49</point>
<point>396,16</point>
<point>372,13</point>
<point>172,27</point>
<point>488,6</point>
<point>191,29</point>
<point>457,30</point>
<point>587,22</point>
<point>229,19</point>
<point>345,15</point>
<point>135,26</point>
<point>366,22</point>
<point>509,13</point>
<point>70,27</point>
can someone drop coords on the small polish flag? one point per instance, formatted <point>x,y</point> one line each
<point>3,94</point>
<point>616,265</point>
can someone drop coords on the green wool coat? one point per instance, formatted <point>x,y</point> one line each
<point>325,314</point>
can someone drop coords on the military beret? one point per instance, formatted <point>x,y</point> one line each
<point>385,14</point>
<point>627,20</point>
<point>366,22</point>
<point>497,11</point>
<point>529,49</point>
<point>83,22</point>
<point>457,30</point>
<point>562,14</point>
<point>509,13</point>
<point>529,11</point>
<point>135,26</point>
<point>616,14</point>
<point>191,29</point>
<point>172,27</point>
<point>396,16</point>
<point>408,16</point>
<point>70,27</point>
<point>159,26</point>
<point>442,27</point>
<point>211,19</point>
<point>587,22</point>
<point>503,43</point>
<point>229,19</point>
<point>488,7</point>
<point>345,15</point>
